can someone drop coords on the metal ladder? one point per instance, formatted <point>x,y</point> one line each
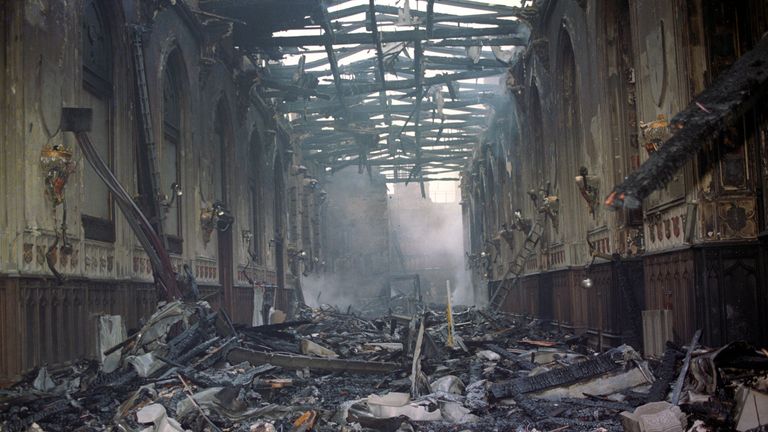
<point>517,266</point>
<point>149,136</point>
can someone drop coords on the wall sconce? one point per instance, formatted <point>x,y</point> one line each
<point>216,217</point>
<point>247,236</point>
<point>520,223</point>
<point>589,188</point>
<point>550,205</point>
<point>655,133</point>
<point>57,165</point>
<point>310,183</point>
<point>176,193</point>
<point>295,255</point>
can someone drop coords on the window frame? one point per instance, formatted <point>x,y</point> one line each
<point>174,133</point>
<point>100,84</point>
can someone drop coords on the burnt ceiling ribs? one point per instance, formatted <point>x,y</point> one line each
<point>377,83</point>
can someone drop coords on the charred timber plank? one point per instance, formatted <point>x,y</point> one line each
<point>430,17</point>
<point>328,42</point>
<point>664,376</point>
<point>405,68</point>
<point>256,358</point>
<point>425,179</point>
<point>392,11</point>
<point>684,370</point>
<point>732,93</point>
<point>394,162</point>
<point>410,83</point>
<point>523,364</point>
<point>379,64</point>
<point>323,107</point>
<point>489,7</point>
<point>418,51</point>
<point>501,41</point>
<point>556,378</point>
<point>518,37</point>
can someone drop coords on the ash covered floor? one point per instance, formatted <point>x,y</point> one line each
<point>190,369</point>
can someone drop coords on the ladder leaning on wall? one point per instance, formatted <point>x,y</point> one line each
<point>511,278</point>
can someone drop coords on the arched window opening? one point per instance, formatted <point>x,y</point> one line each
<point>170,150</point>
<point>540,153</point>
<point>257,198</point>
<point>217,153</point>
<point>569,155</point>
<point>97,209</point>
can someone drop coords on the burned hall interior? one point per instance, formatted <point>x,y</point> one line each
<point>383,215</point>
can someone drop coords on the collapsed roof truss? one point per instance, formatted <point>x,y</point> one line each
<point>384,83</point>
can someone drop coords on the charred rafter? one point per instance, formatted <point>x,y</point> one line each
<point>417,106</point>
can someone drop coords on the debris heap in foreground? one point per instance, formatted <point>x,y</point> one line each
<point>189,368</point>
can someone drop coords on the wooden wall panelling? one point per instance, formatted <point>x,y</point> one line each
<point>546,297</point>
<point>10,341</point>
<point>669,284</point>
<point>598,297</point>
<point>579,302</point>
<point>534,291</point>
<point>243,313</point>
<point>728,295</point>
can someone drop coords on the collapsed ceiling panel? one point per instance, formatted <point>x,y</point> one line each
<point>402,85</point>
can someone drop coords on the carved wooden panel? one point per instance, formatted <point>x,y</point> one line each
<point>243,313</point>
<point>599,298</point>
<point>9,338</point>
<point>569,303</point>
<point>729,219</point>
<point>514,302</point>
<point>669,284</point>
<point>530,290</point>
<point>729,295</point>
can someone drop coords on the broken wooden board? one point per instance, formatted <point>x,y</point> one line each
<point>297,362</point>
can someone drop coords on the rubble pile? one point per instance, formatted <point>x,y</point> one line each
<point>189,368</point>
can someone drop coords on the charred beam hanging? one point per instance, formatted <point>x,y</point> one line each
<point>329,107</point>
<point>476,42</point>
<point>328,41</point>
<point>430,17</point>
<point>379,63</point>
<point>418,52</point>
<point>423,179</point>
<point>519,37</point>
<point>392,11</point>
<point>496,8</point>
<point>732,93</point>
<point>410,83</point>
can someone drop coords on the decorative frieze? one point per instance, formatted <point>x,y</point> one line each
<point>206,271</point>
<point>142,268</point>
<point>666,229</point>
<point>556,256</point>
<point>599,240</point>
<point>35,247</point>
<point>99,260</point>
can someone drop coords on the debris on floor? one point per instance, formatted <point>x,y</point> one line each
<point>189,368</point>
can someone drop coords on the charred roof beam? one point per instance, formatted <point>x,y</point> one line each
<point>328,42</point>
<point>379,63</point>
<point>518,38</point>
